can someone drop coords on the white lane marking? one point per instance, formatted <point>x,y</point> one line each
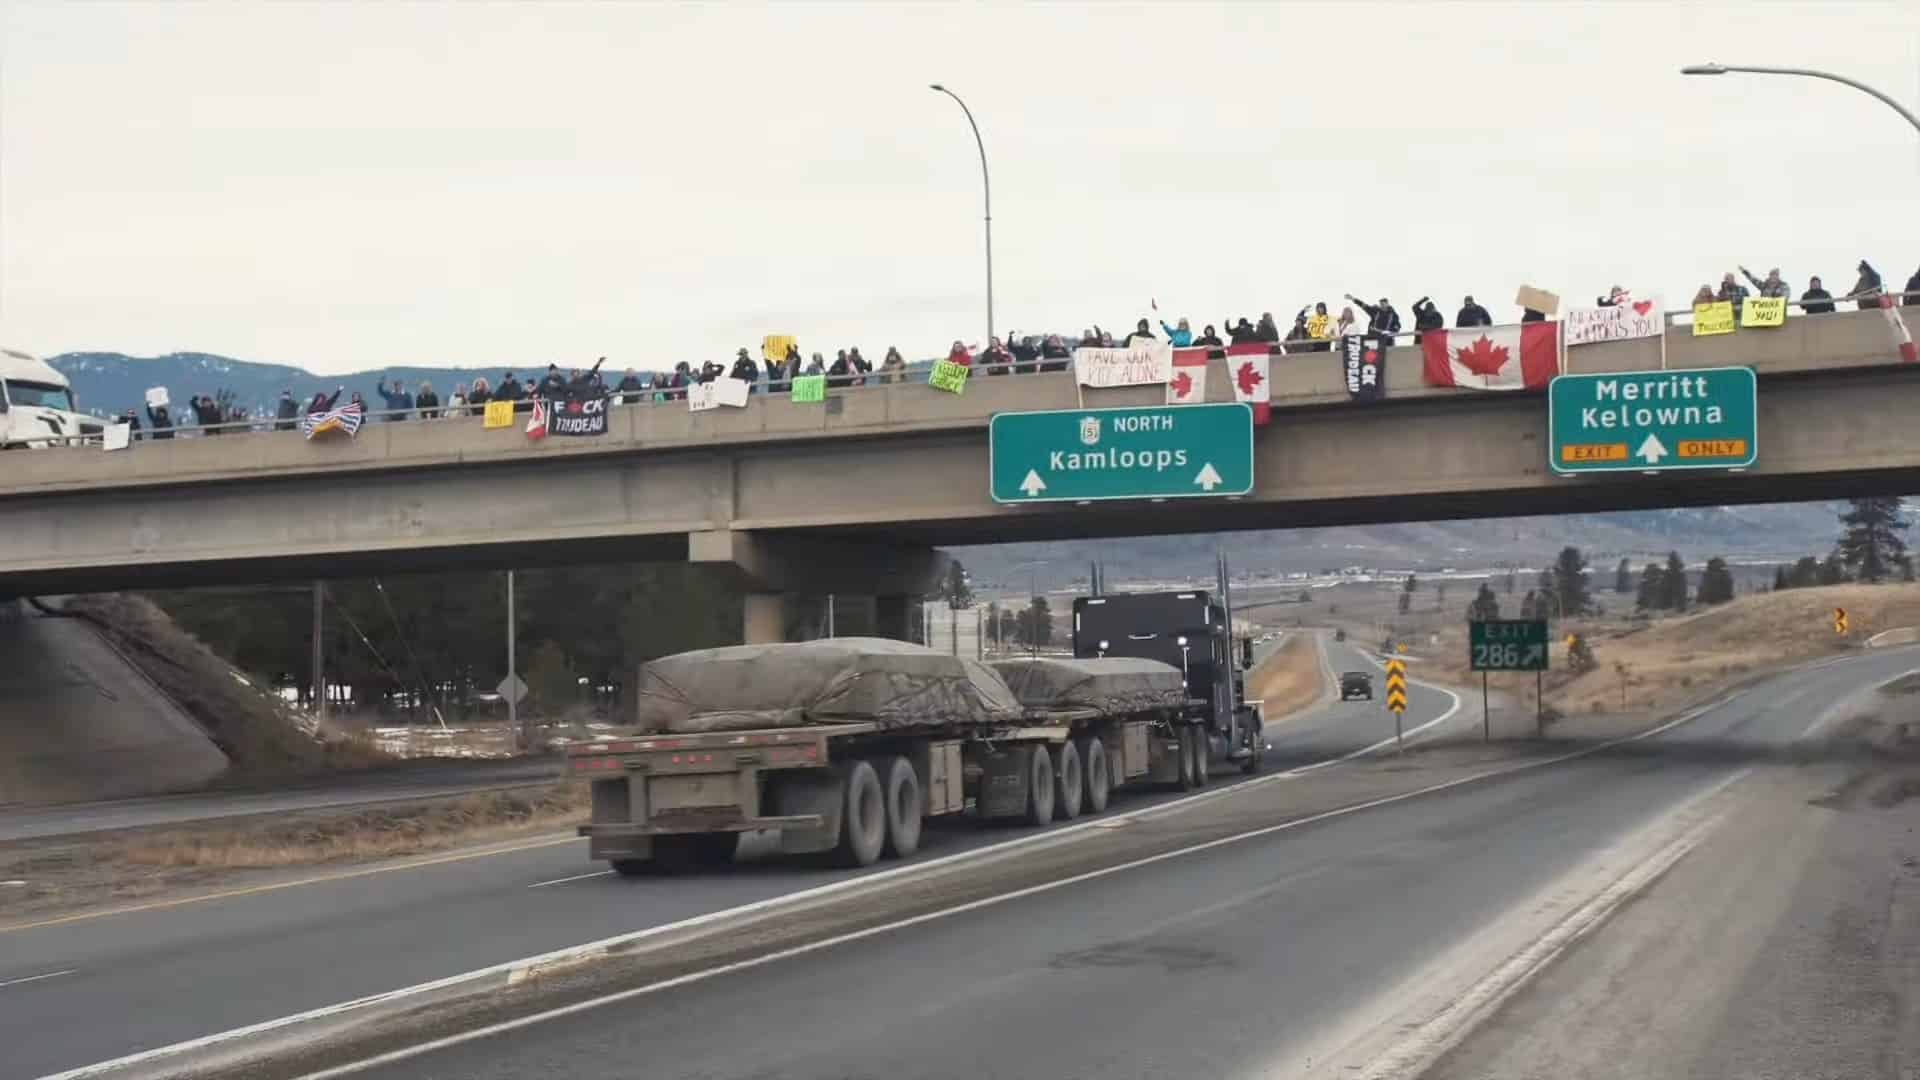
<point>37,978</point>
<point>564,880</point>
<point>514,970</point>
<point>1426,1042</point>
<point>444,1042</point>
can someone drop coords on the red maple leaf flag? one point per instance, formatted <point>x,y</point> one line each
<point>1189,382</point>
<point>1248,365</point>
<point>1517,357</point>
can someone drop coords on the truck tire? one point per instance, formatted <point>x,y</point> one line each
<point>1039,787</point>
<point>1202,756</point>
<point>686,851</point>
<point>632,867</point>
<point>863,816</point>
<point>906,806</point>
<point>1069,789</point>
<point>1187,776</point>
<point>1093,762</point>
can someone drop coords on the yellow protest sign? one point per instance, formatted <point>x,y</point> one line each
<point>1763,311</point>
<point>774,346</point>
<point>950,377</point>
<point>498,414</point>
<point>1715,318</point>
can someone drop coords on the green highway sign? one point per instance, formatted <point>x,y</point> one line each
<point>1157,452</point>
<point>1652,421</point>
<point>1507,645</point>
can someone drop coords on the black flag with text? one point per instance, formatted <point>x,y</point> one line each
<point>1363,360</point>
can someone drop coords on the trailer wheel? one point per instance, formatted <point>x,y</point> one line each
<point>905,807</point>
<point>863,816</point>
<point>1187,775</point>
<point>1202,756</point>
<point>1069,788</point>
<point>1093,755</point>
<point>681,851</point>
<point>1039,787</point>
<point>632,867</point>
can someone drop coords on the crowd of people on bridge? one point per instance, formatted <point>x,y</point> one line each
<point>1315,328</point>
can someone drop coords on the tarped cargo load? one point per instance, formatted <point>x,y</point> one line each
<point>838,680</point>
<point>1108,685</point>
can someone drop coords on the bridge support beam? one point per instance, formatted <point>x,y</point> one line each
<point>811,564</point>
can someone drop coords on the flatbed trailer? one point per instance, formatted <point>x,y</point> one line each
<point>859,792</point>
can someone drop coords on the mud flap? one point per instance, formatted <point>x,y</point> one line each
<point>812,791</point>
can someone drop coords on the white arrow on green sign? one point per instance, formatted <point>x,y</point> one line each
<point>1653,421</point>
<point>1153,452</point>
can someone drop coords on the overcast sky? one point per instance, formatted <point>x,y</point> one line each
<point>348,185</point>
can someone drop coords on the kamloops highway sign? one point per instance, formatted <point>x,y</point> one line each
<point>1652,421</point>
<point>1157,452</point>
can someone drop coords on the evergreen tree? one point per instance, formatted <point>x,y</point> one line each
<point>1623,578</point>
<point>1653,589</point>
<point>1528,604</point>
<point>1036,623</point>
<point>1716,582</point>
<point>1872,542</point>
<point>1406,593</point>
<point>957,591</point>
<point>551,681</point>
<point>1513,580</point>
<point>1805,573</point>
<point>1569,582</point>
<point>1780,579</point>
<point>1485,605</point>
<point>1906,568</point>
<point>1833,571</point>
<point>1675,580</point>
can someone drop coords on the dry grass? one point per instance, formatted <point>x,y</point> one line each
<point>1289,679</point>
<point>1672,661</point>
<point>66,875</point>
<point>260,736</point>
<point>365,834</point>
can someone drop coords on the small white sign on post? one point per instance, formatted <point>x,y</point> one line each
<point>724,391</point>
<point>512,689</point>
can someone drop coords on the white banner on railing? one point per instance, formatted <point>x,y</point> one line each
<point>1628,319</point>
<point>704,396</point>
<point>1149,363</point>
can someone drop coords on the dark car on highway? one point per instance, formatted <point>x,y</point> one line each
<point>1356,684</point>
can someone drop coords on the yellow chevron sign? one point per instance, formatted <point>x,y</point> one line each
<point>1840,620</point>
<point>1397,684</point>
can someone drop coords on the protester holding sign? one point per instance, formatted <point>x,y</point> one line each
<point>1732,292</point>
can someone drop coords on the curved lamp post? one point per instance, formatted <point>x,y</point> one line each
<point>987,188</point>
<point>1722,69</point>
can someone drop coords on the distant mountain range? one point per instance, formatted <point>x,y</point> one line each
<point>107,383</point>
<point>110,383</point>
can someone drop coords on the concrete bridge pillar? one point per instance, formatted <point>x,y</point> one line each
<point>874,584</point>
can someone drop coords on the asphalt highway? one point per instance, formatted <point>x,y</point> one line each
<point>272,951</point>
<point>1231,961</point>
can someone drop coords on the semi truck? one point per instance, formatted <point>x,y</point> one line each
<point>1191,630</point>
<point>37,408</point>
<point>843,747</point>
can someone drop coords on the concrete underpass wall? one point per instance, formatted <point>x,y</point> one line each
<point>78,722</point>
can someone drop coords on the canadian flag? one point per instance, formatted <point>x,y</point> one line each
<point>1900,335</point>
<point>1514,357</point>
<point>1189,382</point>
<point>1247,367</point>
<point>537,423</point>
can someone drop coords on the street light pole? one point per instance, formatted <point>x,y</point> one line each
<point>1722,69</point>
<point>986,187</point>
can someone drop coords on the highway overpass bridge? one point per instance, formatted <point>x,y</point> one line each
<point>853,495</point>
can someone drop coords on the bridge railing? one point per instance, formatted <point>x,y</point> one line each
<point>915,374</point>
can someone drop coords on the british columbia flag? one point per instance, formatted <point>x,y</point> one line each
<point>345,418</point>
